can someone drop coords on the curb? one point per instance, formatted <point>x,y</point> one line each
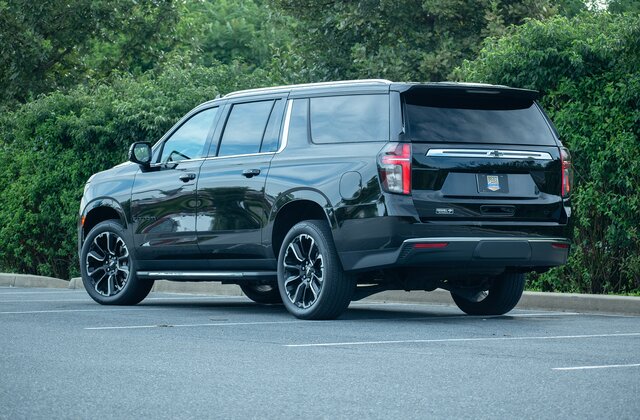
<point>562,302</point>
<point>27,280</point>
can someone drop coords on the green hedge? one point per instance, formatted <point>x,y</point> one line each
<point>588,69</point>
<point>51,146</point>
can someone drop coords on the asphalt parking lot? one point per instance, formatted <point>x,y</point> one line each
<point>187,356</point>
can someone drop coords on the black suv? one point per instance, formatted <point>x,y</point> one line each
<point>316,195</point>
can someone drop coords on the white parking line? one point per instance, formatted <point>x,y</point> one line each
<point>597,367</point>
<point>86,298</point>
<point>55,311</point>
<point>195,297</point>
<point>216,324</point>
<point>457,340</point>
<point>40,293</point>
<point>459,316</point>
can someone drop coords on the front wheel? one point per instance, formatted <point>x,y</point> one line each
<point>108,269</point>
<point>311,280</point>
<point>503,295</point>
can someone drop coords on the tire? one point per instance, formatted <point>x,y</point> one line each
<point>502,296</point>
<point>108,269</point>
<point>262,293</point>
<point>311,280</point>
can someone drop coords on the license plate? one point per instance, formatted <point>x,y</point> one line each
<point>489,183</point>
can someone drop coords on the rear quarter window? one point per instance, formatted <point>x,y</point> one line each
<point>349,118</point>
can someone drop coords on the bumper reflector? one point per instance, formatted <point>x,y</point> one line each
<point>430,245</point>
<point>560,245</point>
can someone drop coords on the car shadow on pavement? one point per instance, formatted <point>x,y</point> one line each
<point>357,312</point>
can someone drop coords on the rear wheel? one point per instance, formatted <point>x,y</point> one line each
<point>262,293</point>
<point>503,295</point>
<point>311,280</point>
<point>108,269</point>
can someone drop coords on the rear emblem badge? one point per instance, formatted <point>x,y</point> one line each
<point>493,183</point>
<point>444,211</point>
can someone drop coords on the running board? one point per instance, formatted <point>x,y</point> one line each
<point>205,275</point>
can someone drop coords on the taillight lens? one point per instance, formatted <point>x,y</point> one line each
<point>567,172</point>
<point>394,167</point>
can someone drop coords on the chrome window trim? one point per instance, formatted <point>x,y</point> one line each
<point>285,131</point>
<point>490,154</point>
<point>242,155</point>
<point>215,157</point>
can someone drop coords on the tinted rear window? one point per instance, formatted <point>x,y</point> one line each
<point>475,118</point>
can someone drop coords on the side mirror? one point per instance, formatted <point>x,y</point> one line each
<point>140,153</point>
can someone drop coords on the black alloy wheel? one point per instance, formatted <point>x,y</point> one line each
<point>108,268</point>
<point>304,271</point>
<point>107,263</point>
<point>310,276</point>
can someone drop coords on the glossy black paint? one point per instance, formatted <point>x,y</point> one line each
<point>453,183</point>
<point>223,219</point>
<point>163,211</point>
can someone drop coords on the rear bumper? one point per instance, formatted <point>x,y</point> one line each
<point>507,251</point>
<point>384,242</point>
<point>460,252</point>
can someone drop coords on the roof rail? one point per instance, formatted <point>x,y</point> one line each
<point>308,85</point>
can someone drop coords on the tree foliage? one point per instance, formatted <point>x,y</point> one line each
<point>588,69</point>
<point>417,40</point>
<point>224,31</point>
<point>46,45</point>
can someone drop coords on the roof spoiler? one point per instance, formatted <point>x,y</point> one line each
<point>473,88</point>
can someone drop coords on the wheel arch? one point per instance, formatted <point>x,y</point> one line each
<point>98,211</point>
<point>306,205</point>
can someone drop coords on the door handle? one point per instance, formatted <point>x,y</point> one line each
<point>187,177</point>
<point>249,173</point>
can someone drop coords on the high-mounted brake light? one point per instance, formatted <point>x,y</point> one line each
<point>394,167</point>
<point>567,172</point>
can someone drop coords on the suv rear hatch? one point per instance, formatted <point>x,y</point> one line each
<point>482,153</point>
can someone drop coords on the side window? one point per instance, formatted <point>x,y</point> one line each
<point>352,118</point>
<point>188,141</point>
<point>299,121</point>
<point>272,133</point>
<point>245,128</point>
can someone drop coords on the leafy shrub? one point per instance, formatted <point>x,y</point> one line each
<point>587,68</point>
<point>50,147</point>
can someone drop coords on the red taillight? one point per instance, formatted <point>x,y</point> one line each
<point>431,245</point>
<point>567,172</point>
<point>394,166</point>
<point>560,245</point>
